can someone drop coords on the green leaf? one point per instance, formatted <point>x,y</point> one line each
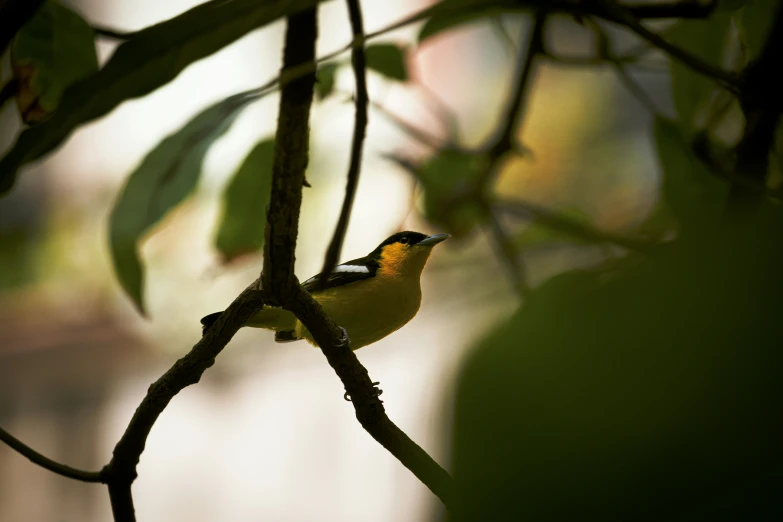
<point>152,58</point>
<point>448,20</point>
<point>706,39</point>
<point>450,180</point>
<point>755,23</point>
<point>52,51</point>
<point>649,395</point>
<point>165,177</point>
<point>326,76</point>
<point>694,195</point>
<point>388,60</point>
<point>241,229</point>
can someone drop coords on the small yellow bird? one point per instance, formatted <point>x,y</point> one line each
<point>370,297</point>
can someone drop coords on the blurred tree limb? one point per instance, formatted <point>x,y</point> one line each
<point>762,104</point>
<point>359,131</point>
<point>47,463</point>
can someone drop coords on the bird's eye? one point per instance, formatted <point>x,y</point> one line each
<point>404,240</point>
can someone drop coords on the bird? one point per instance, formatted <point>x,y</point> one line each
<point>370,297</point>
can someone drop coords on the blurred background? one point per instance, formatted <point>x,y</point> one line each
<point>266,434</point>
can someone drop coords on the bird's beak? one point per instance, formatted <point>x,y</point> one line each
<point>433,240</point>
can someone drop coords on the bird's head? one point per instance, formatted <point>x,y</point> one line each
<point>405,252</point>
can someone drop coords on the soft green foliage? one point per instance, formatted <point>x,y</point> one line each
<point>707,40</point>
<point>755,21</point>
<point>388,60</point>
<point>326,78</point>
<point>152,58</point>
<point>695,196</point>
<point>165,177</point>
<point>653,396</point>
<point>449,20</point>
<point>451,180</point>
<point>241,229</point>
<point>52,51</point>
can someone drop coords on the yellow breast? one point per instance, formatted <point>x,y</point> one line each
<point>371,309</point>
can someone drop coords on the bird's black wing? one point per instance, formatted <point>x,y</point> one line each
<point>345,273</point>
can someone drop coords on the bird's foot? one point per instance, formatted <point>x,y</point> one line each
<point>377,392</point>
<point>345,341</point>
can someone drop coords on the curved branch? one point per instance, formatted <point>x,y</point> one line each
<point>47,463</point>
<point>120,473</point>
<point>623,16</point>
<point>359,131</point>
<point>505,142</point>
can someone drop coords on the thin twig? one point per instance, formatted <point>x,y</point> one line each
<point>620,15</point>
<point>551,219</point>
<point>634,88</point>
<point>417,134</point>
<point>510,254</point>
<point>47,463</point>
<point>605,52</point>
<point>506,140</point>
<point>359,131</point>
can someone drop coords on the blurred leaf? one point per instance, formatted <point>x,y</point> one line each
<point>241,229</point>
<point>731,5</point>
<point>693,194</point>
<point>651,397</point>
<point>388,60</point>
<point>536,234</point>
<point>152,58</point>
<point>450,180</point>
<point>707,40</point>
<point>326,77</point>
<point>452,19</point>
<point>755,22</point>
<point>49,53</point>
<point>166,176</point>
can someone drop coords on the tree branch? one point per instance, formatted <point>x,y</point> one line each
<point>623,16</point>
<point>508,252</point>
<point>506,140</point>
<point>120,473</point>
<point>359,130</point>
<point>290,160</point>
<point>762,104</point>
<point>47,463</point>
<point>280,284</point>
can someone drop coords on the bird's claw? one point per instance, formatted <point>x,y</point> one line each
<point>377,392</point>
<point>345,341</point>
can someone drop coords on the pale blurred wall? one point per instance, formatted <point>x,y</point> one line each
<point>266,435</point>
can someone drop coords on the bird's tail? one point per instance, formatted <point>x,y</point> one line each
<point>269,318</point>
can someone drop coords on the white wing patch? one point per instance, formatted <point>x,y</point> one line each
<point>358,269</point>
<point>352,268</point>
